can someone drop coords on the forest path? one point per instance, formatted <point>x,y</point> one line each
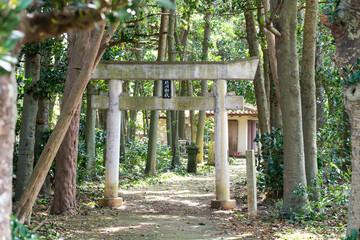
<point>175,207</point>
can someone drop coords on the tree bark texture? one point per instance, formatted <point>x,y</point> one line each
<point>192,114</point>
<point>69,108</point>
<point>259,84</point>
<point>288,70</point>
<point>308,90</point>
<point>25,162</point>
<point>320,105</point>
<point>346,32</point>
<point>204,89</point>
<point>66,159</point>
<point>42,125</point>
<point>90,132</point>
<point>8,114</point>
<point>275,109</point>
<point>171,45</point>
<point>150,168</point>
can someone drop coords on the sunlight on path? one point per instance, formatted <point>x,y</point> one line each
<point>176,208</point>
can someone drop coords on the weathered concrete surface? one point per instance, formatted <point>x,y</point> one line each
<point>222,180</point>
<point>176,103</point>
<point>251,181</point>
<point>113,144</point>
<point>244,69</point>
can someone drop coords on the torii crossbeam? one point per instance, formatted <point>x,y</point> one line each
<point>244,69</point>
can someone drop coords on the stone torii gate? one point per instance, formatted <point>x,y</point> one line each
<point>244,69</point>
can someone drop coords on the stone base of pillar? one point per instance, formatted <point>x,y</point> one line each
<point>110,202</point>
<point>225,205</point>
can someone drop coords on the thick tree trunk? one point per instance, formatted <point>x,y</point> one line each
<point>288,70</point>
<point>42,125</point>
<point>154,119</point>
<point>42,167</point>
<point>90,132</point>
<point>66,159</point>
<point>28,127</point>
<point>346,32</point>
<point>8,113</point>
<point>204,89</point>
<point>259,84</point>
<point>308,90</point>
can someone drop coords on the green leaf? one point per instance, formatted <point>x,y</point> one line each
<point>23,4</point>
<point>262,21</point>
<point>5,66</point>
<point>166,4</point>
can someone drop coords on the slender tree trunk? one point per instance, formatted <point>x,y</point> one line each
<point>42,125</point>
<point>154,120</point>
<point>90,132</point>
<point>320,105</point>
<point>133,113</point>
<point>8,114</point>
<point>288,70</point>
<point>192,114</point>
<point>42,167</point>
<point>122,137</point>
<point>275,109</point>
<point>259,84</point>
<point>204,89</point>
<point>28,127</point>
<point>175,149</point>
<point>308,91</point>
<point>174,114</point>
<point>182,113</point>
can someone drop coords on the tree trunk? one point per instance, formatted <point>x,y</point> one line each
<point>175,148</point>
<point>259,84</point>
<point>66,159</point>
<point>42,125</point>
<point>288,70</point>
<point>192,114</point>
<point>346,32</point>
<point>90,132</point>
<point>154,119</point>
<point>204,89</point>
<point>122,137</point>
<point>42,167</point>
<point>8,114</point>
<point>182,113</point>
<point>320,105</point>
<point>308,91</point>
<point>275,109</point>
<point>174,114</point>
<point>25,162</point>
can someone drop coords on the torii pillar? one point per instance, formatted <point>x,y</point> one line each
<point>111,198</point>
<point>222,179</point>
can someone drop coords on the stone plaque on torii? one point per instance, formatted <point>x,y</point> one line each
<point>220,72</point>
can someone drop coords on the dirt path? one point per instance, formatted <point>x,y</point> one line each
<point>175,208</point>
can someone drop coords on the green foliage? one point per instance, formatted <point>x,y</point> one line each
<point>353,235</point>
<point>9,20</point>
<point>270,163</point>
<point>20,232</point>
<point>329,195</point>
<point>352,73</point>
